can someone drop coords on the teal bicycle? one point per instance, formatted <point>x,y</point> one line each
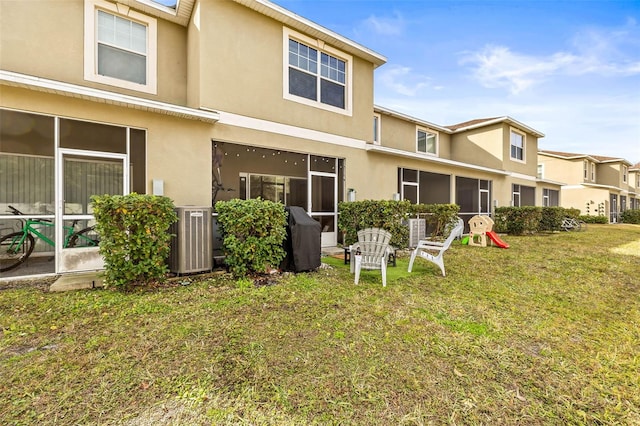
<point>16,247</point>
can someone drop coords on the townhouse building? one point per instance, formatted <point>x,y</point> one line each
<point>596,185</point>
<point>213,100</point>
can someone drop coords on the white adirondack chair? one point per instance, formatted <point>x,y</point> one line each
<point>438,248</point>
<point>371,252</point>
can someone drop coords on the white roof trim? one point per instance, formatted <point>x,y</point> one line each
<point>396,114</point>
<point>550,182</point>
<point>312,29</point>
<point>431,159</point>
<point>506,119</point>
<point>102,96</point>
<point>611,187</point>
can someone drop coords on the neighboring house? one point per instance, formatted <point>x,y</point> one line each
<point>479,165</point>
<point>595,185</point>
<point>214,100</point>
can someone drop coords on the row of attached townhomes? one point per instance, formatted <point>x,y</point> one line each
<point>594,184</point>
<point>212,100</point>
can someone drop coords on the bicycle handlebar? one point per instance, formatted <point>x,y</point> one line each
<point>17,212</point>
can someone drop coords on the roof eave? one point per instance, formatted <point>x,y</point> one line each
<point>420,122</point>
<point>96,95</point>
<point>498,120</point>
<point>310,28</point>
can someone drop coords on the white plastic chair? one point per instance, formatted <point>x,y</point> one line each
<point>371,252</point>
<point>424,246</point>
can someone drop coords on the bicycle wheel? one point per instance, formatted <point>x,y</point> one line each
<point>13,253</point>
<point>87,237</point>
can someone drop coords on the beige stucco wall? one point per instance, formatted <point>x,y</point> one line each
<point>178,150</point>
<point>482,146</point>
<point>610,174</point>
<point>46,38</point>
<point>570,172</point>
<point>253,44</point>
<point>401,134</point>
<point>578,197</point>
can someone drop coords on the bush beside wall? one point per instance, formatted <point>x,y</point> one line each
<point>386,214</point>
<point>134,237</point>
<point>631,216</point>
<point>253,232</point>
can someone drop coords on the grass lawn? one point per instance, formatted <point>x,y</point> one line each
<point>545,332</point>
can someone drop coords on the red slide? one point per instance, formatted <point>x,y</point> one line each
<point>496,240</point>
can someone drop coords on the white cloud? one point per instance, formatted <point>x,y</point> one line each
<point>402,80</point>
<point>604,53</point>
<point>386,26</point>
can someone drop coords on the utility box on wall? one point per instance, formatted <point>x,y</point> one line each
<point>192,245</point>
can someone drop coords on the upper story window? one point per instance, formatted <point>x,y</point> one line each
<point>593,172</point>
<point>517,145</point>
<point>427,142</point>
<point>376,129</point>
<point>585,166</point>
<point>624,174</point>
<point>120,47</point>
<point>316,74</point>
<point>540,171</point>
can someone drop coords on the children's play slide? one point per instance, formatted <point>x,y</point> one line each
<point>497,240</point>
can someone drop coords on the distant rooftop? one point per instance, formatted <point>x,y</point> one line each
<point>572,155</point>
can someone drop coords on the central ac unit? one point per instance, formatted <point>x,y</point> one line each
<point>417,231</point>
<point>192,245</point>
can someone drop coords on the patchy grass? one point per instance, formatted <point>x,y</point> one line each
<point>545,332</point>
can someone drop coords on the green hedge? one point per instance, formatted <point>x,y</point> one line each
<point>530,219</point>
<point>594,219</point>
<point>253,232</point>
<point>392,216</point>
<point>631,216</point>
<point>134,237</point>
<point>437,216</point>
<point>386,214</point>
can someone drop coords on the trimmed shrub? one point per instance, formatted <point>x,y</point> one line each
<point>437,216</point>
<point>594,219</point>
<point>386,214</point>
<point>134,237</point>
<point>518,220</point>
<point>253,232</point>
<point>551,219</point>
<point>631,216</point>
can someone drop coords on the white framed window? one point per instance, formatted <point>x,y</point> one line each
<point>515,195</point>
<point>376,129</point>
<point>517,145</point>
<point>426,142</point>
<point>316,74</point>
<point>624,174</point>
<point>120,46</point>
<point>593,172</point>
<point>540,171</point>
<point>585,166</point>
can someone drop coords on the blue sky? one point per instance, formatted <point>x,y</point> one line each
<point>569,69</point>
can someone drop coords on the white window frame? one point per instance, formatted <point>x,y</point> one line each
<point>593,171</point>
<point>427,133</point>
<point>524,146</point>
<point>91,8</point>
<point>585,166</point>
<point>515,192</point>
<point>540,171</point>
<point>321,47</point>
<point>624,174</point>
<point>377,120</point>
